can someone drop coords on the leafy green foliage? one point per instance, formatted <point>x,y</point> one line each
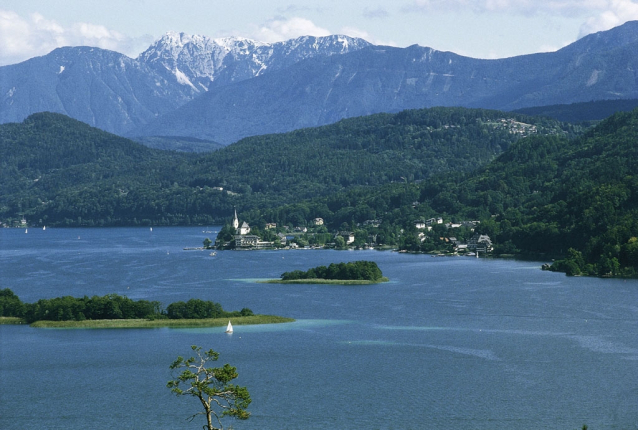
<point>58,171</point>
<point>198,309</point>
<point>595,110</point>
<point>543,196</point>
<point>10,304</point>
<point>356,270</point>
<point>211,386</point>
<point>111,306</point>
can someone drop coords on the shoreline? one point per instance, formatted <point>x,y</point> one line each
<point>158,323</point>
<point>325,281</point>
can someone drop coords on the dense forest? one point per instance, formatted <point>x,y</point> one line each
<point>60,172</point>
<point>353,271</point>
<point>584,112</point>
<point>545,196</point>
<point>111,306</point>
<point>537,187</point>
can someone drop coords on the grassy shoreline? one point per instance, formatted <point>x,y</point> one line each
<point>159,323</point>
<point>11,320</point>
<point>324,281</point>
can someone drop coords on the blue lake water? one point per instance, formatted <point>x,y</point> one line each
<point>448,343</point>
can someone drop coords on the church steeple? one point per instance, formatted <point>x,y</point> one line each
<point>236,221</point>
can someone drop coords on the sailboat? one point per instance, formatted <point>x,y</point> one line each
<point>229,329</point>
<point>44,227</point>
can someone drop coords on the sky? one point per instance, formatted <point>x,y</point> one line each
<point>475,28</point>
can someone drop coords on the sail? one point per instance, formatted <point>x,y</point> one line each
<point>229,329</point>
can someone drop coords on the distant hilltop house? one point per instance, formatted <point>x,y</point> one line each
<point>318,221</point>
<point>434,221</point>
<point>372,222</point>
<point>419,224</point>
<point>271,225</point>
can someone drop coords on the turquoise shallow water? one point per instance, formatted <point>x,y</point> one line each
<point>449,343</point>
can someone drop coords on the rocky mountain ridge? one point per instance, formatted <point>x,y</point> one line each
<point>116,93</point>
<point>226,89</point>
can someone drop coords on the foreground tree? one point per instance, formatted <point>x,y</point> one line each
<point>211,386</point>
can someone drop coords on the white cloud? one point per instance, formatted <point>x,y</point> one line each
<point>599,15</point>
<point>378,12</point>
<point>355,32</point>
<point>564,7</point>
<point>279,29</point>
<point>615,13</point>
<point>23,38</point>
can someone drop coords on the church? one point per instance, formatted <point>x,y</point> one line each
<point>242,237</point>
<point>244,229</point>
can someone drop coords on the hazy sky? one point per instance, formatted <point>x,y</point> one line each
<point>476,28</point>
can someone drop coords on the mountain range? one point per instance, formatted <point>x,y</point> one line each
<point>222,90</point>
<point>113,92</point>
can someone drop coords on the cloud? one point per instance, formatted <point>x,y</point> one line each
<point>599,15</point>
<point>362,34</point>
<point>378,12</point>
<point>280,28</point>
<point>568,8</point>
<point>615,13</point>
<point>23,38</point>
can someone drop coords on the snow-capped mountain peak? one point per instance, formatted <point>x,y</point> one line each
<point>199,61</point>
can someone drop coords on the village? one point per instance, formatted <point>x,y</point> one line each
<point>240,236</point>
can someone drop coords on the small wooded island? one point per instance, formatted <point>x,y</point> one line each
<point>114,311</point>
<point>353,273</point>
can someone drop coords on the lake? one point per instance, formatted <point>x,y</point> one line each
<point>449,342</point>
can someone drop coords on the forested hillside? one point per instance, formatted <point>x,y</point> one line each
<point>58,171</point>
<point>591,111</point>
<point>546,195</point>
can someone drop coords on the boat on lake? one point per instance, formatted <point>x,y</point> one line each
<point>229,328</point>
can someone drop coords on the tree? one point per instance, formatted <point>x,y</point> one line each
<point>211,386</point>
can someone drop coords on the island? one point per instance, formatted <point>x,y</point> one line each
<point>114,311</point>
<point>353,273</point>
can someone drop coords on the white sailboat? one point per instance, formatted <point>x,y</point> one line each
<point>229,329</point>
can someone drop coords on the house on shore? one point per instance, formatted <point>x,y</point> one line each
<point>347,235</point>
<point>480,243</point>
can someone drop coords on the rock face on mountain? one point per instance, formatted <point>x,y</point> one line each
<point>226,89</point>
<point>116,93</point>
<point>99,87</point>
<point>203,63</point>
<point>323,90</point>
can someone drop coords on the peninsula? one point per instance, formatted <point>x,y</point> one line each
<point>114,311</point>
